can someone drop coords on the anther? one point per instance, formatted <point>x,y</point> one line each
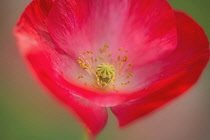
<point>125,58</point>
<point>104,74</point>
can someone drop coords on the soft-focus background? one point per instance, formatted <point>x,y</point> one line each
<point>27,113</point>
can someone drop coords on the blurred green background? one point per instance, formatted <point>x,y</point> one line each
<point>27,113</point>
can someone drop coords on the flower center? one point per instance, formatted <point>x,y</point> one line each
<point>104,70</point>
<point>105,73</point>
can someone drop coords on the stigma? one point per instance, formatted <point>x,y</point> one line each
<point>102,70</point>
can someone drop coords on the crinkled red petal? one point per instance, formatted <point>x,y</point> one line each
<point>183,68</point>
<point>41,55</point>
<point>146,26</point>
<point>93,117</point>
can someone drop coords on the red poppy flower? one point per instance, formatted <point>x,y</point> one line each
<point>131,55</point>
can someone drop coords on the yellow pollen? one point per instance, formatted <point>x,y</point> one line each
<point>123,84</point>
<point>80,77</point>
<point>118,57</point>
<point>125,58</point>
<point>104,70</point>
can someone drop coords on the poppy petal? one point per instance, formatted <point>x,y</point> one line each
<point>181,70</point>
<point>146,26</point>
<point>93,117</point>
<point>44,60</point>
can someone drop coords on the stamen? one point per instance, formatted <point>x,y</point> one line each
<point>120,49</point>
<point>123,84</point>
<point>103,70</point>
<point>80,77</point>
<point>125,58</point>
<point>118,57</point>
